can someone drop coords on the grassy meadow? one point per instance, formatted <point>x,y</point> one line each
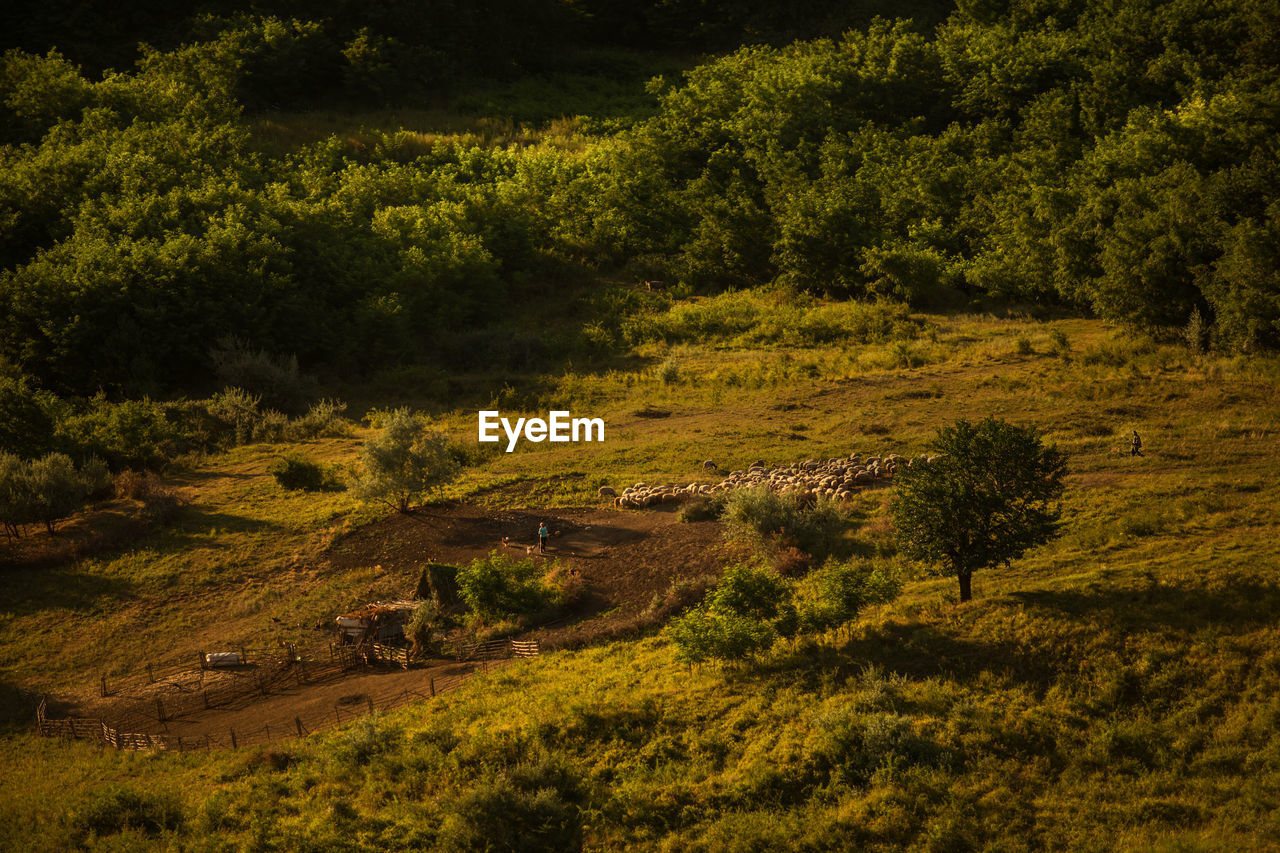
<point>1116,689</point>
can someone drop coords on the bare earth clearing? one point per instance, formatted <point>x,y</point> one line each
<point>623,558</point>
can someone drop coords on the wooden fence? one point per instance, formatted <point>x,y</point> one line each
<point>494,649</point>
<point>288,667</point>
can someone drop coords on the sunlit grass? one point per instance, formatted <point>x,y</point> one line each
<point>1116,687</point>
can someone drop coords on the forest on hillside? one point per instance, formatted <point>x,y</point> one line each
<point>1119,158</point>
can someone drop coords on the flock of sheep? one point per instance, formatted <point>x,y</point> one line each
<point>837,478</point>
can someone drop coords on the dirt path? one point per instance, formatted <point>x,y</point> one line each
<point>333,697</point>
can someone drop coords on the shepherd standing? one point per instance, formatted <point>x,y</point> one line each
<point>1135,446</point>
<point>543,535</point>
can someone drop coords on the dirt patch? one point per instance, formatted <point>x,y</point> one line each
<point>624,558</point>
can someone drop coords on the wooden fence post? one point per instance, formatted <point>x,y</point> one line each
<point>151,676</point>
<point>369,699</point>
<point>104,686</point>
<point>433,688</point>
<point>159,709</point>
<point>202,658</point>
<point>298,720</point>
<point>233,739</point>
<point>205,695</point>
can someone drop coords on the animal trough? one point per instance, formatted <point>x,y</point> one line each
<point>214,660</point>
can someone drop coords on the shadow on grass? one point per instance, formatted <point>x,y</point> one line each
<point>1245,605</point>
<point>17,708</point>
<point>193,521</point>
<point>913,650</point>
<point>917,650</point>
<point>63,587</point>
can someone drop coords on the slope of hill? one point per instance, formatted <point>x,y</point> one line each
<point>1115,688</point>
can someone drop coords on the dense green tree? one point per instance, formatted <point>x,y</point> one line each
<point>26,418</point>
<point>987,497</point>
<point>405,462</point>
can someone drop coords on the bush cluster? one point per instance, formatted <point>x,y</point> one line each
<point>46,490</point>
<point>786,525</point>
<point>499,587</point>
<point>296,472</point>
<point>752,608</point>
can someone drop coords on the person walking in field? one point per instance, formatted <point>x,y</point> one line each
<point>543,535</point>
<point>1135,446</point>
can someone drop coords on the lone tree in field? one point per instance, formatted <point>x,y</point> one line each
<point>989,497</point>
<point>405,463</point>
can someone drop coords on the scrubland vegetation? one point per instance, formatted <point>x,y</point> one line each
<point>231,256</point>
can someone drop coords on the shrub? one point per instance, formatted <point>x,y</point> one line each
<point>46,489</point>
<point>750,591</point>
<point>852,746</point>
<point>237,410</point>
<point>17,503</point>
<point>682,594</point>
<point>1059,344</point>
<point>422,628</point>
<point>120,808</point>
<point>271,427</point>
<point>499,587</point>
<point>743,616</point>
<point>837,592</point>
<point>295,471</point>
<point>532,807</point>
<point>26,426</point>
<point>133,433</point>
<point>705,633</point>
<point>323,419</point>
<point>775,522</point>
<point>707,508</point>
<point>274,380</point>
<point>365,740</point>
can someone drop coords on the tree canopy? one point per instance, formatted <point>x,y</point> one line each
<point>405,462</point>
<point>984,501</point>
<point>1117,158</point>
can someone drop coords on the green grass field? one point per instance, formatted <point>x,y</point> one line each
<point>1116,689</point>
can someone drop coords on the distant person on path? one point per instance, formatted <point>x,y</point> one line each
<point>543,535</point>
<point>1135,446</point>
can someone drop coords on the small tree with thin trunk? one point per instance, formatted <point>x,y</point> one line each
<point>991,495</point>
<point>405,463</point>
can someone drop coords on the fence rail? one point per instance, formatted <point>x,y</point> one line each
<point>249,687</point>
